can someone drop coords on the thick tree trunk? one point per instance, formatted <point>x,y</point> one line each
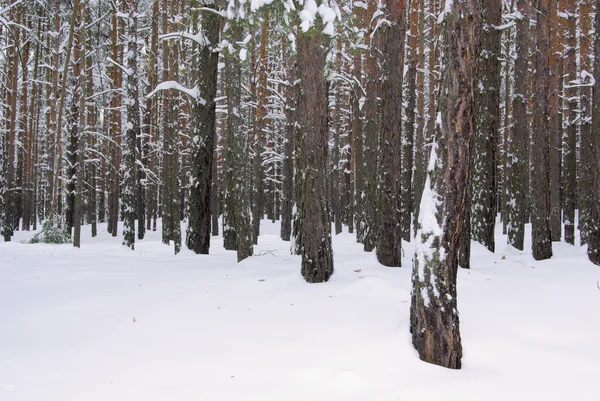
<point>389,238</point>
<point>311,158</point>
<point>434,315</point>
<point>203,138</point>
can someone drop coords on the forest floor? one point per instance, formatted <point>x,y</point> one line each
<point>103,323</point>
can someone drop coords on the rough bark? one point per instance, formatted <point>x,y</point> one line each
<point>130,153</point>
<point>555,123</point>
<point>586,161</point>
<point>371,139</point>
<point>288,146</point>
<point>389,238</point>
<point>237,229</point>
<point>569,176</point>
<point>594,237</point>
<point>517,155</point>
<point>541,236</point>
<point>434,316</point>
<point>203,137</point>
<point>483,178</point>
<point>311,157</point>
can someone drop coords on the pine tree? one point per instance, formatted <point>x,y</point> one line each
<point>311,153</point>
<point>371,132</point>
<point>132,132</point>
<point>485,160</point>
<point>541,235</point>
<point>434,316</point>
<point>517,155</point>
<point>237,228</point>
<point>569,172</point>
<point>389,238</point>
<point>594,238</point>
<point>204,134</point>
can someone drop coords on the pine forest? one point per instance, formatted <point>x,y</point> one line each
<point>427,137</point>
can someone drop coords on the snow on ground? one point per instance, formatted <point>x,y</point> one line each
<point>103,323</point>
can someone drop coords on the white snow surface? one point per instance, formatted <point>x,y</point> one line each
<point>105,323</point>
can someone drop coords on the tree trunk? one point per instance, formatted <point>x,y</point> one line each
<point>594,238</point>
<point>434,315</point>
<point>130,153</point>
<point>569,177</point>
<point>517,154</point>
<point>586,157</point>
<point>237,228</point>
<point>203,138</point>
<point>389,238</point>
<point>311,157</point>
<point>288,145</point>
<point>541,236</point>
<point>483,178</point>
<point>371,139</point>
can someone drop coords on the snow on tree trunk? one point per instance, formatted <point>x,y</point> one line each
<point>311,157</point>
<point>132,128</point>
<point>203,136</point>
<point>237,228</point>
<point>541,236</point>
<point>483,177</point>
<point>594,238</point>
<point>434,315</point>
<point>517,155</point>
<point>389,236</point>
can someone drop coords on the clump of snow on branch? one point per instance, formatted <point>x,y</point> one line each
<point>309,13</point>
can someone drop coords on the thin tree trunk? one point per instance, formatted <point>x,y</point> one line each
<point>594,238</point>
<point>542,239</point>
<point>483,178</point>
<point>517,154</point>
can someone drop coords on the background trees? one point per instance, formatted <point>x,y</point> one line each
<point>193,113</point>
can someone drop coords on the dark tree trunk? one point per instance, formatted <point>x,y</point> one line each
<point>77,123</point>
<point>555,117</point>
<point>594,238</point>
<point>434,316</point>
<point>203,138</point>
<point>569,177</point>
<point>406,189</point>
<point>371,139</point>
<point>130,153</point>
<point>586,157</point>
<point>311,157</point>
<point>389,238</point>
<point>542,240</point>
<point>288,148</point>
<point>517,154</point>
<point>237,228</point>
<point>483,178</point>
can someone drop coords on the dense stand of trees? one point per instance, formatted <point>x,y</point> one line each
<point>398,120</point>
